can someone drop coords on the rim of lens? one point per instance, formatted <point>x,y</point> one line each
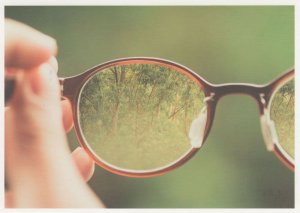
<point>277,143</point>
<point>128,172</point>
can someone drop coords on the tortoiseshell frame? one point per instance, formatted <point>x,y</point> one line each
<point>72,86</point>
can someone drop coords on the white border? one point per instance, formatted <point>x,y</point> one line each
<point>159,2</point>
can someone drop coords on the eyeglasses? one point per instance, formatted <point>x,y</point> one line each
<point>143,117</point>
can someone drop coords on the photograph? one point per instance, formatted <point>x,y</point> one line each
<point>149,106</point>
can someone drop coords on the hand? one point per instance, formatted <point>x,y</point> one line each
<point>40,172</point>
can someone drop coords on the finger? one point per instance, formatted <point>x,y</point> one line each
<point>84,163</point>
<point>8,200</point>
<point>8,138</point>
<point>65,104</point>
<point>53,63</point>
<point>26,47</point>
<point>39,169</point>
<point>67,115</point>
<point>36,140</point>
<point>10,75</point>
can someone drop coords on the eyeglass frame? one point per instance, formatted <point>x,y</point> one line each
<point>71,88</point>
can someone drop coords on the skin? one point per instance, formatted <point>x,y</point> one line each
<point>39,169</point>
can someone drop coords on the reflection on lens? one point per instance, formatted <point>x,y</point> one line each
<point>138,116</point>
<point>282,113</point>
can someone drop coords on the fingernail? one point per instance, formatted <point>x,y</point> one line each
<point>41,79</point>
<point>46,71</point>
<point>53,62</point>
<point>77,151</point>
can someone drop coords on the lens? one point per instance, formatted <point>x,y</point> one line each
<point>282,113</point>
<point>138,116</point>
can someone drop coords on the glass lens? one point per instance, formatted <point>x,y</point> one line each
<point>138,116</point>
<point>282,113</point>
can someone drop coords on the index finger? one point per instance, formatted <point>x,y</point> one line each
<point>26,47</point>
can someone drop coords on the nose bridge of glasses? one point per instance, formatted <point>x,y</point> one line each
<point>260,94</point>
<point>238,88</point>
<point>252,90</point>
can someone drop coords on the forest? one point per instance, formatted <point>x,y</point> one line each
<point>138,116</point>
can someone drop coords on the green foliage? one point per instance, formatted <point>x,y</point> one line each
<point>282,113</point>
<point>138,116</point>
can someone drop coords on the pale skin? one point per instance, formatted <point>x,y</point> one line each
<point>39,169</point>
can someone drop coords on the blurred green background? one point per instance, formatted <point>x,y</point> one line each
<point>223,44</point>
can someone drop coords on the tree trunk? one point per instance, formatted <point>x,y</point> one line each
<point>123,75</point>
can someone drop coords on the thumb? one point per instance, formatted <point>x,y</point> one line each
<point>38,159</point>
<point>35,108</point>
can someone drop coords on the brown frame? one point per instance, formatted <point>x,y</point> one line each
<point>72,86</point>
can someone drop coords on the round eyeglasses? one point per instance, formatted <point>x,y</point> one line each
<point>143,117</point>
